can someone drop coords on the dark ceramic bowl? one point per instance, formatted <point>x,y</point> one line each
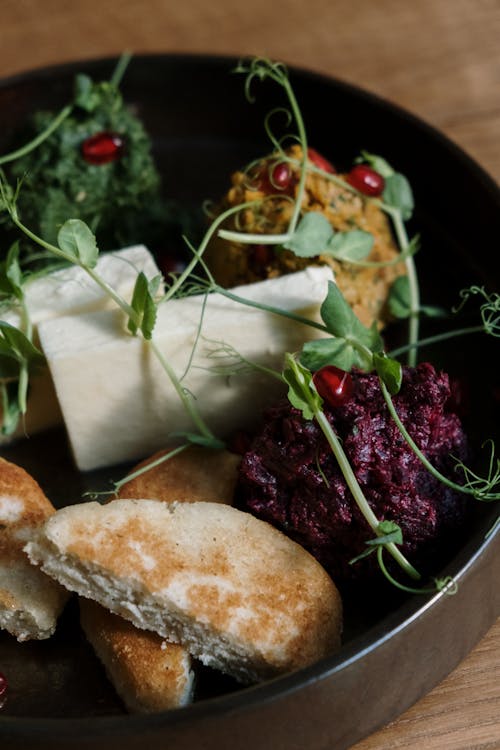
<point>394,651</point>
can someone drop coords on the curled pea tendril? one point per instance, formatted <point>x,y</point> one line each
<point>261,68</point>
<point>489,309</point>
<point>278,143</point>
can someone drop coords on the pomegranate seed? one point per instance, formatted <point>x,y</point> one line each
<point>277,178</point>
<point>334,385</point>
<point>3,689</point>
<point>102,148</point>
<point>319,161</point>
<point>281,176</point>
<point>366,180</point>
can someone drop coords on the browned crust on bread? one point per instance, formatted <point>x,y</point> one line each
<point>29,601</point>
<point>34,508</point>
<point>219,566</point>
<point>16,482</point>
<point>195,474</point>
<point>148,673</point>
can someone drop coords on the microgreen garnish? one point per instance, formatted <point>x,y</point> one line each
<point>262,69</point>
<point>482,488</point>
<point>116,486</point>
<point>388,532</point>
<point>445,585</point>
<point>389,371</point>
<point>18,357</point>
<point>11,275</point>
<point>303,396</point>
<point>397,192</point>
<point>489,309</point>
<point>400,303</point>
<point>78,242</point>
<point>230,362</point>
<point>78,246</point>
<point>315,236</point>
<point>144,305</point>
<point>310,236</point>
<point>352,344</point>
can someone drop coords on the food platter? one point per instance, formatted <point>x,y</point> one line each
<point>202,129</point>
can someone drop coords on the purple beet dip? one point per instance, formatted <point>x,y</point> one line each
<point>290,477</point>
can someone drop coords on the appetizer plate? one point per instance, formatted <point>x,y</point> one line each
<point>396,648</point>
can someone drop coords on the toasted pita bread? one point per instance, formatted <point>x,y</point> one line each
<point>237,593</point>
<point>197,474</point>
<point>30,602</point>
<point>148,673</point>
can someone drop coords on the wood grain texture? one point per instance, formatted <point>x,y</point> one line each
<point>438,58</point>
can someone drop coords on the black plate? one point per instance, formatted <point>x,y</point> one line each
<point>203,128</point>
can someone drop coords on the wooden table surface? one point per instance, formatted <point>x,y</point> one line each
<point>438,58</point>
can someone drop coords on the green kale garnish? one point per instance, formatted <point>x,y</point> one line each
<point>120,200</point>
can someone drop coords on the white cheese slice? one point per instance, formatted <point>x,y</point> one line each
<point>71,291</point>
<point>118,403</point>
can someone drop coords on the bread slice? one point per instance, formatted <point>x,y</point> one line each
<point>239,594</point>
<point>30,602</point>
<point>195,474</point>
<point>148,673</point>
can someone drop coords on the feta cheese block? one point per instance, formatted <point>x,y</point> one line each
<point>119,404</point>
<point>71,291</point>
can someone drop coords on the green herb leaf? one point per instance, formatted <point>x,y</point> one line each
<point>355,342</point>
<point>9,361</point>
<point>311,237</point>
<point>320,352</point>
<point>6,194</point>
<point>434,311</point>
<point>11,412</point>
<point>398,193</point>
<point>17,356</point>
<point>19,345</point>
<point>341,321</point>
<point>144,305</point>
<point>378,163</point>
<point>354,245</point>
<point>316,236</point>
<point>197,439</point>
<point>87,95</point>
<point>11,276</point>
<point>388,532</point>
<point>399,300</point>
<point>76,239</point>
<point>301,393</point>
<point>390,371</point>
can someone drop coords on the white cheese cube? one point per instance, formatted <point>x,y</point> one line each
<point>118,403</point>
<point>71,291</point>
